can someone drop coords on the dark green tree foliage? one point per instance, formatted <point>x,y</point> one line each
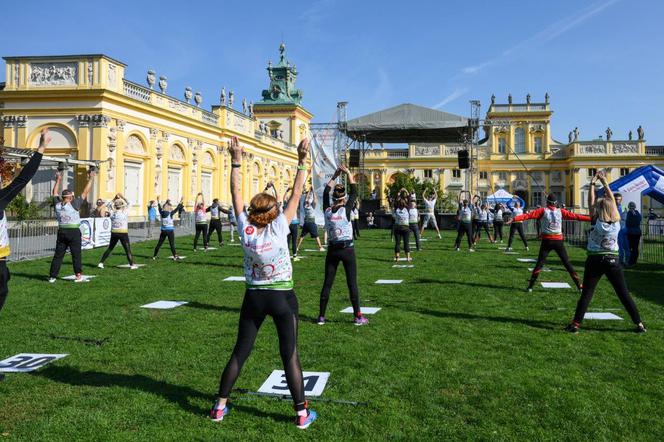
<point>20,209</point>
<point>446,201</point>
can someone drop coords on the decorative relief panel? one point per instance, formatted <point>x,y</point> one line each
<point>556,176</point>
<point>625,148</point>
<point>427,151</point>
<point>134,145</point>
<point>452,150</point>
<point>592,149</point>
<point>54,74</point>
<point>112,75</point>
<point>208,160</point>
<point>176,153</point>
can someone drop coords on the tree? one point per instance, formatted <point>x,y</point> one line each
<point>20,209</point>
<point>446,201</point>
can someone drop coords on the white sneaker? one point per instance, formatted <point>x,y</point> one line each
<point>133,267</point>
<point>100,265</point>
<point>232,239</point>
<point>527,249</point>
<point>471,250</point>
<point>457,249</point>
<point>322,249</point>
<point>52,280</point>
<point>79,278</point>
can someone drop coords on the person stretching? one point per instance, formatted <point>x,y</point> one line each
<point>551,218</point>
<point>516,227</point>
<point>230,212</point>
<point>215,221</point>
<point>465,220</point>
<point>7,194</point>
<point>355,220</point>
<point>310,226</point>
<point>401,225</point>
<point>119,230</point>
<point>430,212</point>
<point>498,223</point>
<point>413,223</point>
<point>69,234</point>
<point>263,232</point>
<point>340,247</point>
<point>483,222</point>
<point>200,215</point>
<point>167,228</point>
<point>603,256</point>
<point>294,226</point>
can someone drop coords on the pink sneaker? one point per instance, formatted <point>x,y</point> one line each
<point>360,320</point>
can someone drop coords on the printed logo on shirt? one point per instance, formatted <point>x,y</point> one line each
<point>262,272</point>
<point>249,230</point>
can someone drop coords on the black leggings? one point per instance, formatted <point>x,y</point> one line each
<point>294,230</point>
<point>466,228</point>
<point>215,224</point>
<point>415,228</point>
<point>124,240</point>
<point>558,246</point>
<point>67,239</point>
<point>4,280</point>
<point>516,227</point>
<point>171,241</point>
<point>498,230</point>
<point>282,306</point>
<point>401,233</point>
<point>356,229</point>
<point>596,267</point>
<point>201,229</point>
<point>478,232</point>
<point>634,239</point>
<point>347,257</point>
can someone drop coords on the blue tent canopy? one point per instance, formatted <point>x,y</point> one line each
<point>649,180</point>
<point>504,197</point>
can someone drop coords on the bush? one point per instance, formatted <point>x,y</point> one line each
<point>446,202</point>
<point>20,209</point>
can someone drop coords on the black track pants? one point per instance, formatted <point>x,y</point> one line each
<point>124,240</point>
<point>201,229</point>
<point>401,233</point>
<point>332,260</point>
<point>596,267</point>
<point>415,228</point>
<point>516,227</point>
<point>67,239</point>
<point>356,229</point>
<point>4,281</point>
<point>498,230</point>
<point>466,228</point>
<point>215,224</point>
<point>294,230</point>
<point>257,304</point>
<point>171,241</point>
<point>558,246</point>
<point>634,239</point>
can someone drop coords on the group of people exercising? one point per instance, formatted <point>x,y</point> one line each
<point>264,227</point>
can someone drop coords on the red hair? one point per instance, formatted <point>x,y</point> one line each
<point>263,209</point>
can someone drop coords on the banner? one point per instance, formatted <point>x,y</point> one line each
<point>86,228</point>
<point>324,166</point>
<point>102,232</point>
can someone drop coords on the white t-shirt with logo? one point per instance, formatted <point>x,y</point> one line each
<point>267,263</point>
<point>429,206</point>
<point>413,216</point>
<point>120,220</point>
<point>603,238</point>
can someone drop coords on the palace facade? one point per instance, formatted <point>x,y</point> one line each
<point>519,154</point>
<point>147,143</point>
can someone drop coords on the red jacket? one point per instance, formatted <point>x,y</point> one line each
<point>538,213</point>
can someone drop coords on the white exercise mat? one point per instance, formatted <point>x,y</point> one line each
<point>556,285</point>
<point>127,266</point>
<point>403,266</point>
<point>179,257</point>
<point>26,362</point>
<point>602,315</point>
<point>389,281</point>
<point>526,260</point>
<point>164,305</point>
<point>86,278</point>
<point>544,269</point>
<point>403,259</point>
<point>235,278</point>
<point>511,253</point>
<point>364,310</point>
<point>313,250</point>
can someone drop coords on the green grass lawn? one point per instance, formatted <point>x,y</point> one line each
<point>459,351</point>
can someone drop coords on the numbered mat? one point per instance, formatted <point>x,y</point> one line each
<point>602,315</point>
<point>556,285</point>
<point>164,305</point>
<point>364,310</point>
<point>314,383</point>
<point>235,278</point>
<point>86,278</point>
<point>26,362</point>
<point>389,281</point>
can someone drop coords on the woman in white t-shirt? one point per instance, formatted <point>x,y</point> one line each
<point>263,232</point>
<point>119,230</point>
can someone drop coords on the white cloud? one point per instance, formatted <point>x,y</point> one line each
<point>451,97</point>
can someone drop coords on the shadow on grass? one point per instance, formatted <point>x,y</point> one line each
<point>218,308</point>
<point>35,276</point>
<point>645,281</point>
<point>177,394</point>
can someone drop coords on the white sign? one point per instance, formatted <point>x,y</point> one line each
<point>102,232</point>
<point>364,310</point>
<point>659,185</point>
<point>87,229</point>
<point>556,285</point>
<point>602,315</point>
<point>314,383</point>
<point>636,185</point>
<point>25,362</point>
<point>235,278</point>
<point>164,305</point>
<point>389,281</point>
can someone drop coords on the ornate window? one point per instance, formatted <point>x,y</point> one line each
<point>134,145</point>
<point>502,145</point>
<point>520,140</point>
<point>538,144</point>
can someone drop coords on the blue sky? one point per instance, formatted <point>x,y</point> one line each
<point>599,60</point>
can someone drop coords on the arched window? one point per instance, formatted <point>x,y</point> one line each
<point>520,140</point>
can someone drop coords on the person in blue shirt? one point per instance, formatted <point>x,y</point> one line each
<point>633,227</point>
<point>167,227</point>
<point>152,212</point>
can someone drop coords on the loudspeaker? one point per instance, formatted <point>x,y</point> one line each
<point>354,158</point>
<point>464,159</point>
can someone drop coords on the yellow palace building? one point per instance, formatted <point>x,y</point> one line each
<point>519,154</point>
<point>147,143</point>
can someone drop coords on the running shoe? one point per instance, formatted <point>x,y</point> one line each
<point>154,258</point>
<point>509,249</point>
<point>232,239</point>
<point>133,267</point>
<point>217,414</point>
<point>205,250</point>
<point>302,422</point>
<point>640,328</point>
<point>79,278</point>
<point>529,290</point>
<point>360,320</point>
<point>322,249</point>
<point>527,249</point>
<point>471,250</point>
<point>321,320</point>
<point>457,249</point>
<point>572,328</point>
<point>100,265</point>
<point>51,280</point>
<point>221,244</point>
